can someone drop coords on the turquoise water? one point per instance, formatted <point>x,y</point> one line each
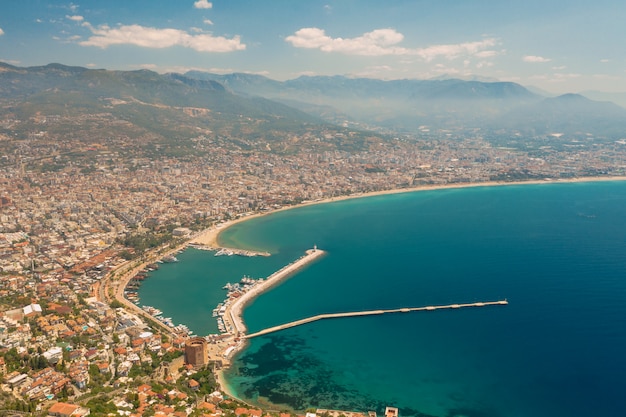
<point>557,252</point>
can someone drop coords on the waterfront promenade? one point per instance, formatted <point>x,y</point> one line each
<point>370,313</point>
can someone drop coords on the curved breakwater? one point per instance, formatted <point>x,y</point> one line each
<point>235,310</point>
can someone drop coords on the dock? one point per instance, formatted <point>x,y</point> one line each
<point>371,313</point>
<point>234,312</point>
<point>219,251</point>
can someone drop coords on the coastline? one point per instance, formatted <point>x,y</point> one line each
<point>210,237</point>
<point>235,311</point>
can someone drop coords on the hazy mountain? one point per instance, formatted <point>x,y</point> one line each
<point>540,91</point>
<point>169,106</point>
<point>569,114</point>
<point>173,105</point>
<point>405,105</point>
<point>45,84</point>
<point>398,104</point>
<point>465,78</point>
<point>618,98</point>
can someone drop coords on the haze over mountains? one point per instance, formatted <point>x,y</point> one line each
<point>55,87</point>
<point>407,105</point>
<point>250,104</point>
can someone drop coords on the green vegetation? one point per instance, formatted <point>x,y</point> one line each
<point>101,406</point>
<point>143,242</point>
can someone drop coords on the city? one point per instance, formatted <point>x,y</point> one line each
<point>64,230</point>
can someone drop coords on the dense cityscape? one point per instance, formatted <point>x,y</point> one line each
<point>132,134</point>
<point>72,212</point>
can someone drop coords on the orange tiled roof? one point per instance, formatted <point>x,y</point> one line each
<point>63,409</point>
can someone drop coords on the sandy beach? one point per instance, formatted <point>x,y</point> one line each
<point>210,237</point>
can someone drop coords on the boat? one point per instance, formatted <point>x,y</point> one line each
<point>170,259</point>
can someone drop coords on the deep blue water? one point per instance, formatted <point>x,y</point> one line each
<point>557,252</point>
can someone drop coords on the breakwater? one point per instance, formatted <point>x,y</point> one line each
<point>370,313</point>
<point>235,310</point>
<point>220,251</point>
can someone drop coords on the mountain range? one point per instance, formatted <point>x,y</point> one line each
<point>407,105</point>
<point>178,105</point>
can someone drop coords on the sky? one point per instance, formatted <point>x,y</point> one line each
<point>556,45</point>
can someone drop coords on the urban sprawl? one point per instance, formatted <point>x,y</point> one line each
<point>80,218</point>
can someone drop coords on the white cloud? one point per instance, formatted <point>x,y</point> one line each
<point>75,18</point>
<point>604,61</point>
<point>11,61</point>
<point>377,42</point>
<point>146,66</point>
<point>203,4</point>
<point>1,32</point>
<point>208,22</point>
<point>606,77</point>
<point>306,74</point>
<point>559,68</point>
<point>486,54</point>
<point>455,50</point>
<point>381,42</point>
<point>535,59</point>
<point>562,76</point>
<point>148,37</point>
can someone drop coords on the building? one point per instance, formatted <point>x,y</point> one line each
<point>67,410</point>
<point>181,232</point>
<point>32,310</point>
<point>196,352</point>
<point>391,412</point>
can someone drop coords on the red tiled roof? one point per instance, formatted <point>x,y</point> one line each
<point>63,409</point>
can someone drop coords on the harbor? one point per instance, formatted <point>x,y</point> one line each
<point>219,251</point>
<point>233,314</point>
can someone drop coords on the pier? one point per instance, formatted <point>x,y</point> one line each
<point>234,312</point>
<point>370,313</point>
<point>219,251</point>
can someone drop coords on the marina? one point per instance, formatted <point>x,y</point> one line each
<point>227,251</point>
<point>233,315</point>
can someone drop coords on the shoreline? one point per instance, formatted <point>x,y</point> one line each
<point>210,237</point>
<point>234,311</point>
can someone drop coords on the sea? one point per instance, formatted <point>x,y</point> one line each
<point>556,252</point>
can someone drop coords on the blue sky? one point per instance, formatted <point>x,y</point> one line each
<point>557,45</point>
